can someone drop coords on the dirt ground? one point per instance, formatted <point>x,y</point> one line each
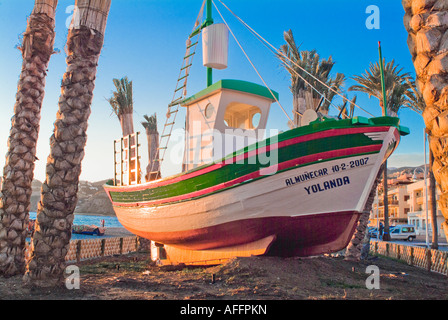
<point>135,277</point>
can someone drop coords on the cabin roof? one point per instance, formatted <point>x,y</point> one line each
<point>237,85</point>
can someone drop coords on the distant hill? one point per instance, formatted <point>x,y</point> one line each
<point>91,198</point>
<point>410,170</point>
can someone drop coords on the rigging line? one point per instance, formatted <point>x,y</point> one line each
<point>276,52</point>
<point>325,98</point>
<point>200,15</point>
<point>161,155</point>
<point>278,102</point>
<point>196,24</point>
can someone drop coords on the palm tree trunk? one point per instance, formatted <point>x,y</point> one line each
<point>127,124</point>
<point>153,155</point>
<point>51,239</point>
<point>127,128</point>
<point>354,248</point>
<point>18,173</point>
<point>433,204</point>
<point>309,100</point>
<point>426,24</point>
<point>299,106</point>
<point>386,234</point>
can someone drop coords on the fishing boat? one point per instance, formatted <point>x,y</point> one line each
<point>90,230</point>
<point>295,193</point>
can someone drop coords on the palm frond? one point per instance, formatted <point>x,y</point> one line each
<point>150,122</point>
<point>415,98</point>
<point>395,80</point>
<point>296,61</point>
<point>122,101</point>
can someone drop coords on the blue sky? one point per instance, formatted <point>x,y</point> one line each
<point>145,40</point>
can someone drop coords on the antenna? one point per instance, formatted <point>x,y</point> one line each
<point>209,21</point>
<point>383,85</point>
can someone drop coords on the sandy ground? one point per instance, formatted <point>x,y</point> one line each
<point>135,277</point>
<point>118,232</point>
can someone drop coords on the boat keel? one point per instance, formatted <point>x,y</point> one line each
<point>169,255</point>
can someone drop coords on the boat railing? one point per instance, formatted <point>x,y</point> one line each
<point>127,160</point>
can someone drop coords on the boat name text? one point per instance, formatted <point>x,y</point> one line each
<point>310,175</point>
<point>306,176</point>
<point>327,185</point>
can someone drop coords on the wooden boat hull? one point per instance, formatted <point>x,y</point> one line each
<point>295,236</point>
<point>309,203</point>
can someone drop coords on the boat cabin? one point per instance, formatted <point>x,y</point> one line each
<point>223,118</point>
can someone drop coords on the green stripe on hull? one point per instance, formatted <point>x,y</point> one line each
<point>250,165</point>
<point>262,177</point>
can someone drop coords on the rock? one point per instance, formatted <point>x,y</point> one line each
<point>91,198</point>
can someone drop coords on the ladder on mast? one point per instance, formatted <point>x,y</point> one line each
<point>180,93</point>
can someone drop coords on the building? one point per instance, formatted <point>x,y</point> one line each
<point>418,202</point>
<point>406,204</point>
<point>398,206</point>
<point>397,196</point>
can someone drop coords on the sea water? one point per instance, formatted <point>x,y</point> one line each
<point>81,219</point>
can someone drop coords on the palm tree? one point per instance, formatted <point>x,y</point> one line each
<point>51,239</point>
<point>433,203</point>
<point>307,89</point>
<point>354,248</point>
<point>153,168</point>
<point>18,172</point>
<point>122,105</point>
<point>396,82</point>
<point>397,85</point>
<point>428,43</point>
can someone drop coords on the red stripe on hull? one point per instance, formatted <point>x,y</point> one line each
<point>296,236</point>
<point>266,171</point>
<point>279,145</point>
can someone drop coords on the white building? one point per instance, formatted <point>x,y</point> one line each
<point>418,203</point>
<point>407,205</point>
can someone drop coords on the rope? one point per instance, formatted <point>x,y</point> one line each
<point>277,52</point>
<point>253,66</point>
<point>161,155</point>
<point>199,18</point>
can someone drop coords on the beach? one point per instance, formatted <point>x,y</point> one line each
<point>117,232</point>
<point>135,277</point>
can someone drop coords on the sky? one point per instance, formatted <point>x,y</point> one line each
<point>145,41</point>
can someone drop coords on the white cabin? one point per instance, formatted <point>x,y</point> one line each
<point>223,118</point>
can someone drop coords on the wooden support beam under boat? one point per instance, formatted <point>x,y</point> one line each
<point>175,256</point>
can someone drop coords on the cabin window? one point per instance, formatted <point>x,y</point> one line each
<point>256,117</point>
<point>209,111</point>
<point>242,116</point>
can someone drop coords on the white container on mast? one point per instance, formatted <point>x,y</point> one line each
<point>215,46</point>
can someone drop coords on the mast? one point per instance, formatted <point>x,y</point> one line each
<point>383,85</point>
<point>209,21</point>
